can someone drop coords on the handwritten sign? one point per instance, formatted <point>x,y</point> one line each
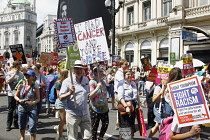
<point>65,35</point>
<point>152,75</point>
<point>18,53</point>
<point>187,60</point>
<point>92,41</point>
<point>162,72</point>
<point>189,102</point>
<point>46,58</point>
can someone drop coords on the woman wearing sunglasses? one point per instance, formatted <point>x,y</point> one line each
<point>27,96</point>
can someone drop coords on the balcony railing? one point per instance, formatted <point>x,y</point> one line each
<point>197,11</point>
<point>162,20</point>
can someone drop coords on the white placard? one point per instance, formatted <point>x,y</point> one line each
<point>91,40</point>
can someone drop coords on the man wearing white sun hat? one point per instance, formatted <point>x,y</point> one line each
<point>79,115</point>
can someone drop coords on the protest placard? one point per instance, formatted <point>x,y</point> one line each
<point>187,60</point>
<point>92,41</point>
<point>46,58</point>
<point>74,55</point>
<point>54,58</point>
<point>1,58</point>
<point>65,34</point>
<point>188,101</point>
<point>162,72</point>
<point>152,75</point>
<point>18,53</point>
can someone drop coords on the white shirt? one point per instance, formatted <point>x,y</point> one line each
<point>119,75</point>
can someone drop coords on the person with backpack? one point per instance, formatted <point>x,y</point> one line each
<point>161,98</point>
<point>50,90</point>
<point>27,96</point>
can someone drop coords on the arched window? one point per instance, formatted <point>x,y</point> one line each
<point>146,50</point>
<point>164,45</point>
<point>129,53</point>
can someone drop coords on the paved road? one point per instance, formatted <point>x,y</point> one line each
<point>47,122</point>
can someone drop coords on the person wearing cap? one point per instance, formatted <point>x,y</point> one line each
<point>27,96</point>
<point>79,115</point>
<point>12,78</point>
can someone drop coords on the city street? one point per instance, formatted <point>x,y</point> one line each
<point>47,123</point>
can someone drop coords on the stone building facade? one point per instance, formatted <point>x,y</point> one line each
<point>153,28</point>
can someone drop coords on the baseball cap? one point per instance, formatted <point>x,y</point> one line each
<point>30,72</point>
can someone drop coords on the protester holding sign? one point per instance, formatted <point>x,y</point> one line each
<point>98,104</point>
<point>76,116</point>
<point>162,107</point>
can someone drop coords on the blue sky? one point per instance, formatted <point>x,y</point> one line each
<point>43,7</point>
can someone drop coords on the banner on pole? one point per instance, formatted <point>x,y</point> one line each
<point>74,55</point>
<point>65,34</point>
<point>162,72</point>
<point>152,75</point>
<point>18,53</point>
<point>187,60</point>
<point>189,102</point>
<point>91,40</point>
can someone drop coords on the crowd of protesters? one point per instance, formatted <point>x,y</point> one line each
<point>27,88</point>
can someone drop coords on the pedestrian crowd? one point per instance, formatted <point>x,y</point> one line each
<point>81,100</point>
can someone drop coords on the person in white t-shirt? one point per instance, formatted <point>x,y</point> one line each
<point>119,75</point>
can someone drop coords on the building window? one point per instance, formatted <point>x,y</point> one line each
<point>16,37</point>
<point>6,40</point>
<point>203,2</point>
<point>147,10</point>
<point>167,6</point>
<point>130,12</point>
<point>164,45</point>
<point>129,53</point>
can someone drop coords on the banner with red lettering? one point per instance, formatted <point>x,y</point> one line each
<point>187,60</point>
<point>91,40</point>
<point>189,102</point>
<point>65,34</point>
<point>54,58</point>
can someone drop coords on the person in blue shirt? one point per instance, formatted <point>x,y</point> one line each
<point>50,92</point>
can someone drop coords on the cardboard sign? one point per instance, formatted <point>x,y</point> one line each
<point>65,35</point>
<point>187,60</point>
<point>189,102</point>
<point>46,58</point>
<point>152,75</point>
<point>162,72</point>
<point>1,58</point>
<point>18,53</point>
<point>74,55</point>
<point>92,41</point>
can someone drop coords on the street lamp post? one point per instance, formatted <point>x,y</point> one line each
<point>110,4</point>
